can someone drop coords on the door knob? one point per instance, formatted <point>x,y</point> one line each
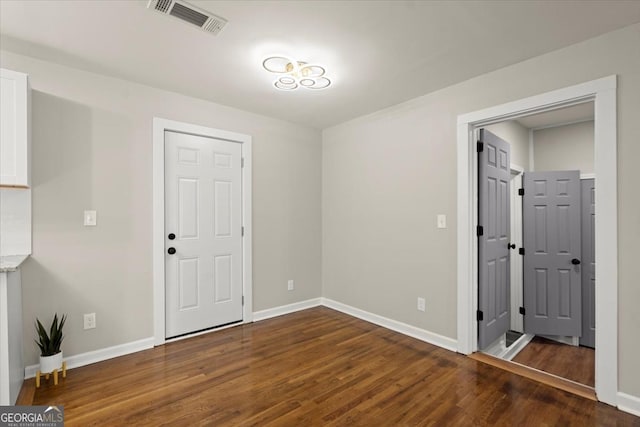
<point>575,261</point>
<point>171,251</point>
<point>171,236</point>
<point>511,245</point>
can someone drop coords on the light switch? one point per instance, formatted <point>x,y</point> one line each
<point>442,221</point>
<point>90,218</point>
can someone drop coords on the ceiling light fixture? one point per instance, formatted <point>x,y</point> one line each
<point>295,74</point>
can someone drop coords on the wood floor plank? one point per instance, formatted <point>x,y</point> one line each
<point>566,361</point>
<point>317,367</point>
<point>537,375</point>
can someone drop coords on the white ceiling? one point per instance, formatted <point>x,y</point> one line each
<point>574,114</point>
<point>378,53</point>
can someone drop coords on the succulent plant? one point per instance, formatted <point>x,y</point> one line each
<point>49,343</point>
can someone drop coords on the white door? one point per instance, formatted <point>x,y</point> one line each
<point>203,233</point>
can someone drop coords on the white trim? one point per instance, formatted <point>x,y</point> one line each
<point>159,127</point>
<point>603,93</point>
<point>95,356</point>
<point>606,238</point>
<point>467,251</point>
<point>147,343</point>
<point>517,346</point>
<point>403,328</point>
<point>500,350</point>
<point>247,241</point>
<point>531,152</point>
<point>5,382</point>
<point>516,262</point>
<point>497,348</point>
<point>629,403</point>
<point>587,176</point>
<point>516,169</point>
<point>286,309</point>
<point>560,98</point>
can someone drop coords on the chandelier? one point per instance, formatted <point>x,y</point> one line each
<point>294,74</point>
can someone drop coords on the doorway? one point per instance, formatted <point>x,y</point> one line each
<point>229,155</point>
<point>603,93</point>
<point>555,302</point>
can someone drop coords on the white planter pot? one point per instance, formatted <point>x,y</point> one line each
<point>49,364</point>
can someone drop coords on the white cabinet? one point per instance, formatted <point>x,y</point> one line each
<point>15,138</point>
<point>11,364</point>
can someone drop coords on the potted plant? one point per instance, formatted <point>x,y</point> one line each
<point>49,343</point>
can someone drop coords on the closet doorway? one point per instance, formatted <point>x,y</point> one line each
<point>551,224</point>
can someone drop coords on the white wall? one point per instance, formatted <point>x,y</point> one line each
<point>92,149</point>
<point>518,138</point>
<point>387,175</point>
<point>568,147</point>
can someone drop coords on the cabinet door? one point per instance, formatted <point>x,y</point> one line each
<point>14,129</point>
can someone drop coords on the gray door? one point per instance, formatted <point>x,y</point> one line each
<point>493,240</point>
<point>552,274</point>
<point>588,263</point>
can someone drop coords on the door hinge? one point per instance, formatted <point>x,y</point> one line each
<point>242,299</point>
<point>479,230</point>
<point>522,310</point>
<point>480,147</point>
<point>242,162</point>
<point>242,231</point>
<point>479,316</point>
<point>520,191</point>
<point>521,251</point>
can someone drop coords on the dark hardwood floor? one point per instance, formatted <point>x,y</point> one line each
<point>566,361</point>
<point>316,367</point>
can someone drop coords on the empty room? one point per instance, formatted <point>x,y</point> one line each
<point>319,212</point>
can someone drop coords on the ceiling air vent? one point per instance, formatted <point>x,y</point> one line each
<point>186,12</point>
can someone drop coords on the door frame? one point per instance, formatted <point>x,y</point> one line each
<point>161,125</point>
<point>516,318</point>
<point>603,93</point>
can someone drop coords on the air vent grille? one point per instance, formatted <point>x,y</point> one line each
<point>214,25</point>
<point>188,13</point>
<point>194,17</point>
<point>163,5</point>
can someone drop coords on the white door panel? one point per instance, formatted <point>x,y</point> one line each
<point>203,209</point>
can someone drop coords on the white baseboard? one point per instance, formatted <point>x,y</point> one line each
<point>90,357</point>
<point>626,402</point>
<point>286,309</point>
<point>394,325</point>
<point>629,403</point>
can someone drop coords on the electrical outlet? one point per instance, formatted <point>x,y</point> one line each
<point>90,218</point>
<point>90,321</point>
<point>290,285</point>
<point>421,304</point>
